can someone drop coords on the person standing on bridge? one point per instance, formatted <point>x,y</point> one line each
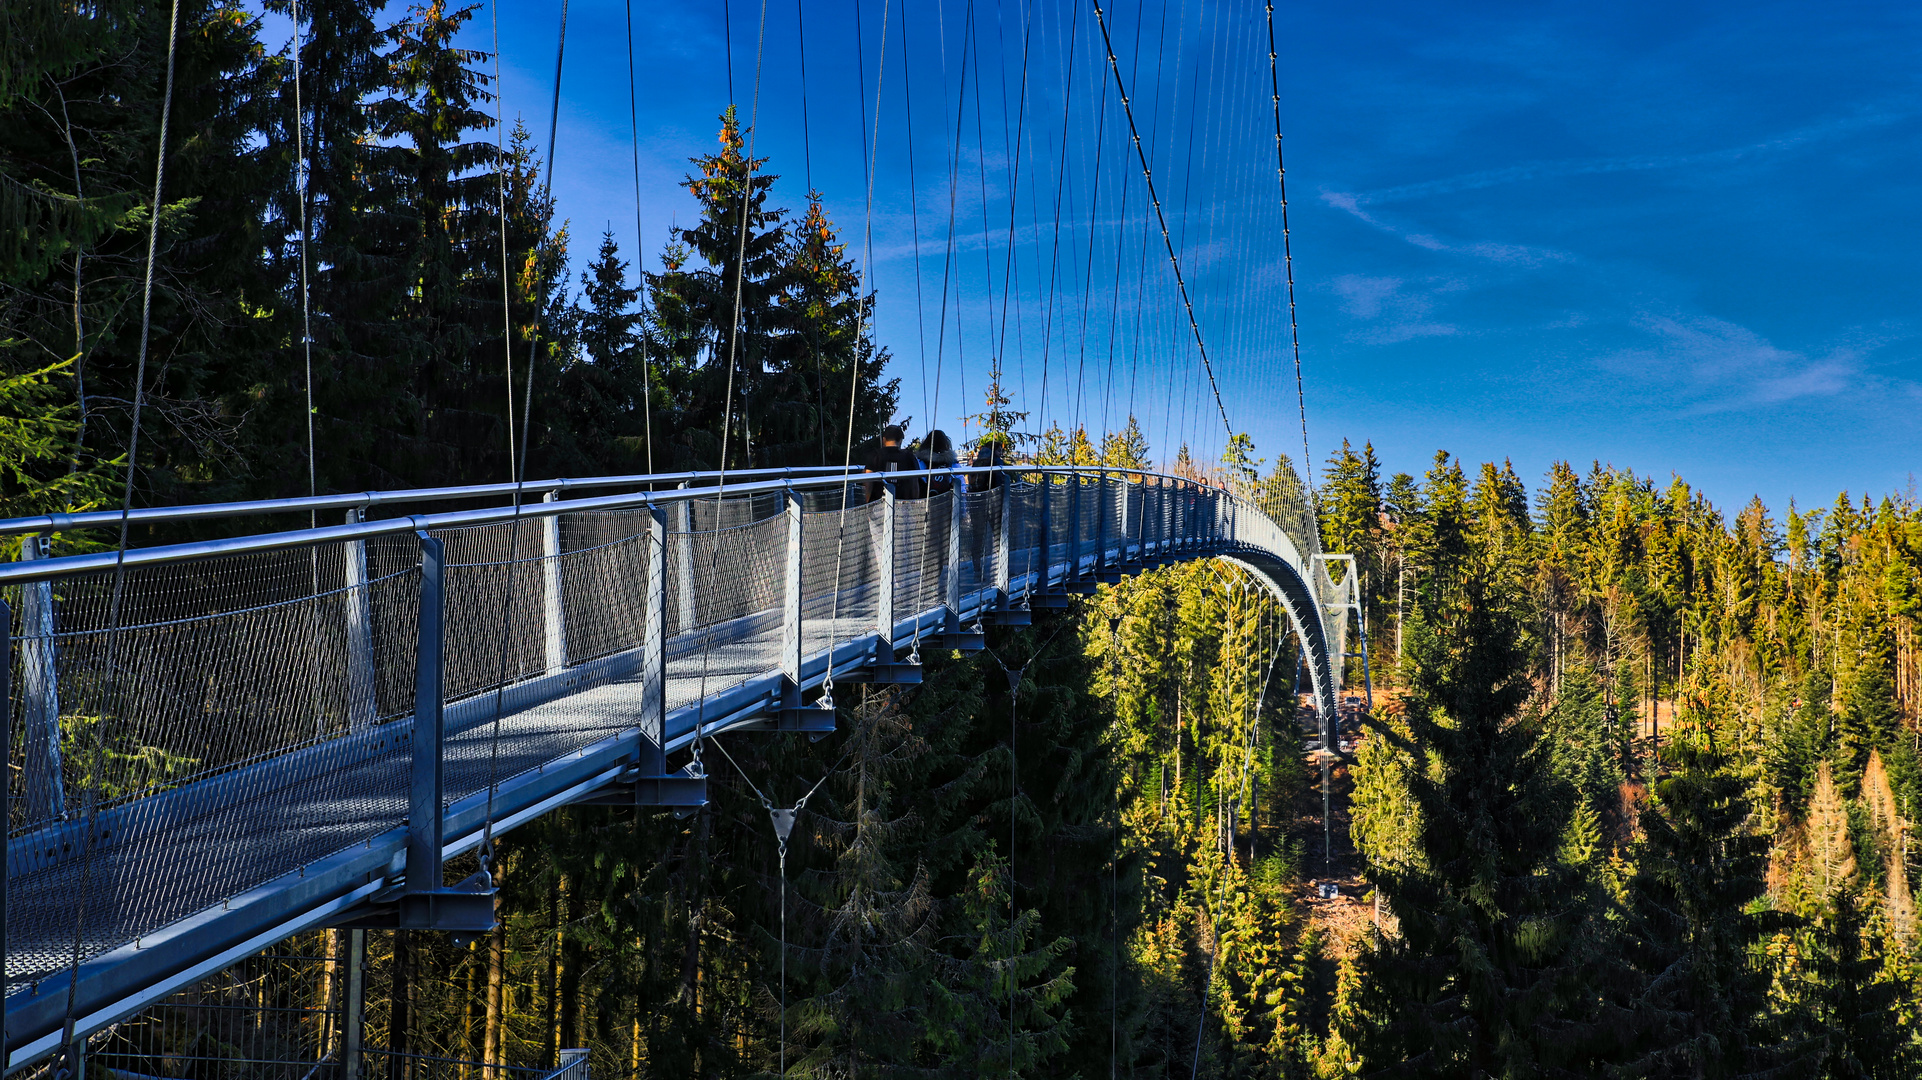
<point>937,452</point>
<point>983,517</point>
<point>892,457</point>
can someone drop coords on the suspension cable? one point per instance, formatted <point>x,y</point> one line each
<point>517,468</point>
<point>869,162</point>
<point>306,322</point>
<point>640,251</point>
<point>70,1069</point>
<point>1288,262</point>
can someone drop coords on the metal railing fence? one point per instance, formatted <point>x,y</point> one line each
<point>260,702</point>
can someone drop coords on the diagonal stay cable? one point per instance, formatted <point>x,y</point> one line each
<point>68,1068</point>
<point>783,823</point>
<point>518,466</point>
<point>862,308</point>
<point>1288,257</point>
<point>727,400</point>
<point>1174,260</point>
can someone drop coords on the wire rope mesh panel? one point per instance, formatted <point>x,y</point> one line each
<point>1024,530</point>
<point>728,627</point>
<point>980,538</point>
<point>221,737</point>
<point>598,528</point>
<point>1118,515</point>
<point>710,515</point>
<point>604,588</point>
<point>920,553</point>
<point>839,575</point>
<point>1164,498</point>
<point>277,1015</point>
<point>1084,507</point>
<point>1060,534</point>
<point>495,606</point>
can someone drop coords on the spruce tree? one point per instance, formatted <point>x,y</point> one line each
<point>1693,930</point>
<point>595,420</point>
<point>1496,965</point>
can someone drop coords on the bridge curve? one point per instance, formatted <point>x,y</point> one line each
<point>252,737</point>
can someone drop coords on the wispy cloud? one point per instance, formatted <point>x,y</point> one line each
<point>1393,311</point>
<point>1514,254</point>
<point>1726,367</point>
<point>1551,170</point>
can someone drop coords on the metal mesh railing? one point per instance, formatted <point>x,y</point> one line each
<point>241,716</point>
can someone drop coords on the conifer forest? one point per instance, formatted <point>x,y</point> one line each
<point>1625,789</point>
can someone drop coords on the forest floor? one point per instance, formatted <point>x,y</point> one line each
<point>1344,918</point>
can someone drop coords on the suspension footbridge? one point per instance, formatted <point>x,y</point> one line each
<point>220,744</point>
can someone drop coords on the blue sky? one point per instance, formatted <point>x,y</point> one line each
<point>1678,238</point>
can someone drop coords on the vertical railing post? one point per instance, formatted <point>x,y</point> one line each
<point>684,561</point>
<point>884,568</point>
<point>1003,558</point>
<point>1074,528</point>
<point>425,787</point>
<point>791,605</point>
<point>653,757</point>
<point>1104,505</point>
<point>951,572</point>
<point>362,703</point>
<point>6,789</point>
<point>352,1025</point>
<point>1046,537</point>
<point>553,614</point>
<point>45,792</point>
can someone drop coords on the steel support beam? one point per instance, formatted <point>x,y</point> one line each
<point>362,707</point>
<point>791,598</point>
<point>553,612</point>
<point>44,791</point>
<point>425,903</point>
<point>684,561</point>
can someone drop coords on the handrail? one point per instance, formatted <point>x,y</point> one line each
<point>13,573</point>
<point>94,519</point>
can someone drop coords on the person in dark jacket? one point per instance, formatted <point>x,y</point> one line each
<point>937,453</point>
<point>987,454</point>
<point>984,515</point>
<point>892,457</point>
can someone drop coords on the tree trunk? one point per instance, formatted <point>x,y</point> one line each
<point>398,1018</point>
<point>496,960</point>
<point>568,989</point>
<point>550,1050</point>
<point>327,1030</point>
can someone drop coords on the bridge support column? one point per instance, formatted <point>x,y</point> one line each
<point>653,756</point>
<point>791,605</point>
<point>1103,507</point>
<point>426,903</point>
<point>552,611</point>
<point>1044,534</point>
<point>884,572</point>
<point>684,561</point>
<point>362,708</point>
<point>425,787</point>
<point>1003,563</point>
<point>1075,500</point>
<point>951,569</point>
<point>45,792</point>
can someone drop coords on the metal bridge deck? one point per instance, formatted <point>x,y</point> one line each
<point>187,873</point>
